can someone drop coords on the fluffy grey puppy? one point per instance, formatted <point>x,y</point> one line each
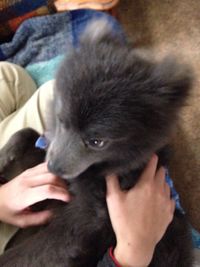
<point>112,110</point>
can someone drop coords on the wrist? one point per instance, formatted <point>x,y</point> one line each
<point>130,256</point>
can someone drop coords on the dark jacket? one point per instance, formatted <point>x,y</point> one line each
<point>108,260</point>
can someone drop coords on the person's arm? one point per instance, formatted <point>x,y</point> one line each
<point>33,185</point>
<point>139,217</point>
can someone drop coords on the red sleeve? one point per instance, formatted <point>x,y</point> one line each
<point>113,258</point>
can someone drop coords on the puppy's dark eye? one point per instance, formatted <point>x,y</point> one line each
<point>96,143</point>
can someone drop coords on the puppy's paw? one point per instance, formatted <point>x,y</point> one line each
<point>20,153</point>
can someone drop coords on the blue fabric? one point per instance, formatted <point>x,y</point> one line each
<point>80,19</point>
<point>41,142</point>
<point>40,42</point>
<point>2,57</point>
<point>174,193</point>
<point>44,71</point>
<point>195,238</point>
<point>175,196</point>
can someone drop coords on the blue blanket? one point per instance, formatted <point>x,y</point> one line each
<point>40,42</point>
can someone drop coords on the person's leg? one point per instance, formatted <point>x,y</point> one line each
<point>16,88</point>
<point>19,88</point>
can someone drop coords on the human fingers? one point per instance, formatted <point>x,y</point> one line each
<point>161,181</point>
<point>115,202</point>
<point>170,209</point>
<point>165,219</point>
<point>160,177</point>
<point>167,190</point>
<point>113,196</point>
<point>28,219</point>
<point>43,192</point>
<point>38,169</point>
<point>173,206</point>
<point>43,179</point>
<point>112,183</point>
<point>150,170</point>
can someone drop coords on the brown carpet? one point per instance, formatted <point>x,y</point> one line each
<point>173,26</point>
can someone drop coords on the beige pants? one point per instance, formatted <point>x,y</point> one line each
<point>21,105</point>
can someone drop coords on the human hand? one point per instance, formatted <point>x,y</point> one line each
<point>33,185</point>
<point>140,216</point>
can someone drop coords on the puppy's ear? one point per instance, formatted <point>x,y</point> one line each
<point>99,30</point>
<point>172,81</point>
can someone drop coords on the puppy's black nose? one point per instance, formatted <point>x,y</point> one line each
<point>54,168</point>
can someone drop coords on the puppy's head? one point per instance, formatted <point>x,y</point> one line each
<point>112,107</point>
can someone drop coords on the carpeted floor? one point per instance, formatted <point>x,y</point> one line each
<point>173,26</point>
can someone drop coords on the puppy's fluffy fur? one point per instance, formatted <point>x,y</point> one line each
<point>112,110</point>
